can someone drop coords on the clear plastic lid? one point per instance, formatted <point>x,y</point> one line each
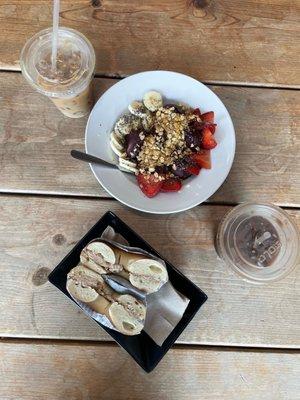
<point>258,241</point>
<point>75,63</point>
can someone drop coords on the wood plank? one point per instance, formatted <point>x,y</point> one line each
<point>36,233</point>
<point>56,371</point>
<point>234,41</point>
<point>36,141</point>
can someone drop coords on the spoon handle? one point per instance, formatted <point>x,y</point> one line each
<point>79,155</point>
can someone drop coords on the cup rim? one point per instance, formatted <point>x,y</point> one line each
<point>248,275</point>
<point>78,86</point>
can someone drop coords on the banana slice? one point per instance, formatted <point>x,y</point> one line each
<point>126,124</point>
<point>116,148</point>
<point>127,165</point>
<point>116,141</point>
<point>118,136</point>
<point>127,162</point>
<point>148,122</point>
<point>138,109</point>
<point>121,126</point>
<point>116,151</point>
<point>153,100</point>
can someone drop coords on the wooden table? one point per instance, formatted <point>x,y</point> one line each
<point>244,344</point>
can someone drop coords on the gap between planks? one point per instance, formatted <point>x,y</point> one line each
<point>180,346</point>
<point>32,339</point>
<point>58,195</point>
<point>115,76</point>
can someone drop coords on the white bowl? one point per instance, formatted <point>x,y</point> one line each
<point>174,87</point>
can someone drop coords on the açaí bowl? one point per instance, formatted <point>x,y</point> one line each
<point>175,88</point>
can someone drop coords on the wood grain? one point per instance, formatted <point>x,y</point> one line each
<point>36,233</point>
<point>92,372</point>
<point>36,141</point>
<point>242,42</point>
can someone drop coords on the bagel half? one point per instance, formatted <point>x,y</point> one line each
<point>126,313</point>
<point>145,274</point>
<point>100,258</point>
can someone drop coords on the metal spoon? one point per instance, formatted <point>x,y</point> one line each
<point>79,155</point>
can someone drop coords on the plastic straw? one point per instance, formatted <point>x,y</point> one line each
<point>55,33</point>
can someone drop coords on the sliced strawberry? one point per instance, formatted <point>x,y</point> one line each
<point>193,169</point>
<point>197,112</point>
<point>149,185</point>
<point>208,140</point>
<point>171,185</point>
<point>202,158</point>
<point>212,127</point>
<point>208,117</point>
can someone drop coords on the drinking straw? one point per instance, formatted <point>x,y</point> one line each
<point>55,33</point>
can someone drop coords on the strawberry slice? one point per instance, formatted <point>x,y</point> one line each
<point>197,112</point>
<point>149,185</point>
<point>212,127</point>
<point>193,169</point>
<point>208,117</point>
<point>171,185</point>
<point>208,140</point>
<point>202,158</point>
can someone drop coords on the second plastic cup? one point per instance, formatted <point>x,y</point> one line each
<point>69,85</point>
<point>260,242</point>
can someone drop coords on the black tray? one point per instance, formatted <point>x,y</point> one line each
<point>141,347</point>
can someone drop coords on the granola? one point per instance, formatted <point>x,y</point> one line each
<point>163,142</point>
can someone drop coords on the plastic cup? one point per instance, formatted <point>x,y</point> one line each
<point>260,242</point>
<point>69,86</point>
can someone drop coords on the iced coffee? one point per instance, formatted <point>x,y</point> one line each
<point>68,85</point>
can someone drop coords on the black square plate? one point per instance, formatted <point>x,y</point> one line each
<point>141,347</point>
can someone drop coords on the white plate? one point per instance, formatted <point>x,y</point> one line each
<point>174,87</point>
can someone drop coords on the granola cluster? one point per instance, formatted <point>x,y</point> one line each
<point>167,142</point>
